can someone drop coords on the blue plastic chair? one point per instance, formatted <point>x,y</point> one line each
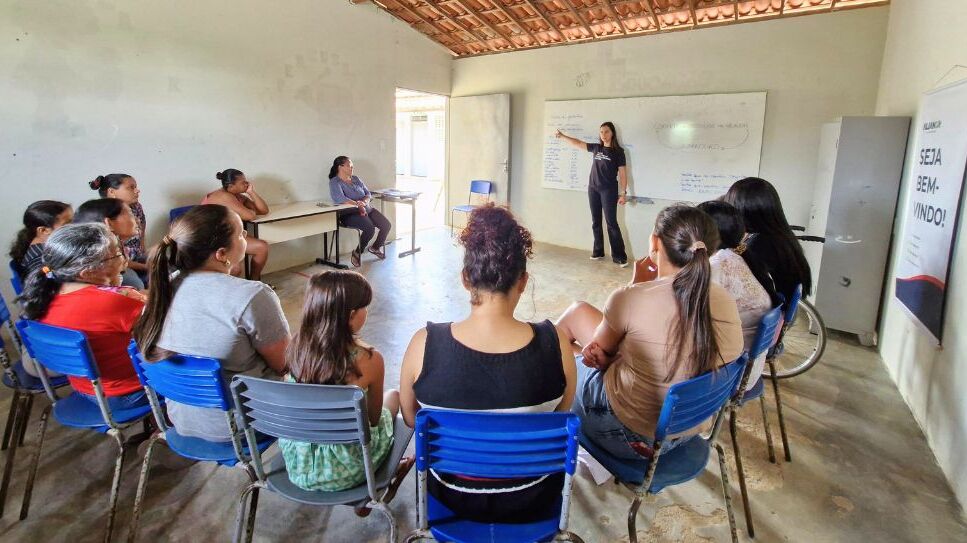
<point>323,414</point>
<point>791,309</point>
<point>15,280</point>
<point>195,381</point>
<point>766,337</point>
<point>687,405</point>
<point>67,351</point>
<point>493,445</point>
<point>25,387</point>
<point>480,189</point>
<point>177,212</point>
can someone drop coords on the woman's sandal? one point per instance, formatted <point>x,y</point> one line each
<point>356,258</point>
<point>380,253</point>
<point>404,467</point>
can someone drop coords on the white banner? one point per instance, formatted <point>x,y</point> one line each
<point>933,205</point>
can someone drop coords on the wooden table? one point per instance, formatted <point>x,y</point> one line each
<point>299,220</point>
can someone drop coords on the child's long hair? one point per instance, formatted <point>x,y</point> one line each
<point>321,351</point>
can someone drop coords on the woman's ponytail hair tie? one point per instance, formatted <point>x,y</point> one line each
<point>96,183</point>
<point>49,273</point>
<point>697,245</point>
<point>167,241</point>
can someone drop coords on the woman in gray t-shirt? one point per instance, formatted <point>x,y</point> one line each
<point>197,308</point>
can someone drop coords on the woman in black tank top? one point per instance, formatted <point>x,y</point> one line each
<point>491,362</point>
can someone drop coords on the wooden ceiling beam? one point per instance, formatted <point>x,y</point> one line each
<point>614,15</point>
<point>435,4</point>
<point>552,27</point>
<point>691,11</point>
<point>442,31</point>
<point>510,16</point>
<point>580,19</point>
<point>483,20</point>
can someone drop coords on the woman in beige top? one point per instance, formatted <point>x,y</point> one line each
<point>651,335</point>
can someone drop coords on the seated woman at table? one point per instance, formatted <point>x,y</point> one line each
<point>346,188</point>
<point>238,194</point>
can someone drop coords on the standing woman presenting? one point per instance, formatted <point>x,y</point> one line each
<point>607,187</point>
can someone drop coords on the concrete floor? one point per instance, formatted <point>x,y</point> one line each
<point>861,468</point>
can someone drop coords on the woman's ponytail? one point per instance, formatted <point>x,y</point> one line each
<point>147,331</point>
<point>689,236</point>
<point>39,291</point>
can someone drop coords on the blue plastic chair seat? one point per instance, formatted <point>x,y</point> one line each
<point>196,448</point>
<point>278,478</point>
<point>755,392</point>
<point>465,208</point>
<point>29,382</point>
<point>446,526</point>
<point>681,464</point>
<point>76,411</point>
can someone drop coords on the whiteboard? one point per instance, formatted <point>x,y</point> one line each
<point>682,148</point>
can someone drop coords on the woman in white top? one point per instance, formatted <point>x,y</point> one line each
<point>736,274</point>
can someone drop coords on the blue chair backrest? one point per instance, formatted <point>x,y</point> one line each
<point>15,280</point>
<point>480,187</point>
<point>793,305</point>
<point>190,380</point>
<point>58,349</point>
<point>497,445</point>
<point>4,310</point>
<point>767,332</point>
<point>690,403</point>
<point>177,212</point>
<point>301,412</point>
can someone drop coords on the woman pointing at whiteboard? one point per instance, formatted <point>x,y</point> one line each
<point>607,187</point>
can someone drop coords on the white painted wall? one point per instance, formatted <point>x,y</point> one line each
<point>925,40</point>
<point>814,68</point>
<point>171,92</point>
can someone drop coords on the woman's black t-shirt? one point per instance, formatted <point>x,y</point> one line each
<point>604,166</point>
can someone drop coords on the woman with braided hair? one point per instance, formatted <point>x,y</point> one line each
<point>196,307</point>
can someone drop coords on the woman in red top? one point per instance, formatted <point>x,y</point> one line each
<point>78,288</point>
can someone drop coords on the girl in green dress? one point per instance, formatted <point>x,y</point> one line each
<point>327,351</point>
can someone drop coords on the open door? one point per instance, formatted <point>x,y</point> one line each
<point>479,148</point>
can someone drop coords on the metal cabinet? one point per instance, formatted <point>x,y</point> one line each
<point>854,204</point>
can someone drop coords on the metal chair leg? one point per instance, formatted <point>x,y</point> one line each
<point>14,401</point>
<point>633,519</point>
<point>27,411</point>
<point>733,430</point>
<point>142,487</point>
<point>240,511</point>
<point>782,420</point>
<point>765,425</point>
<point>727,493</point>
<point>252,508</point>
<point>35,461</point>
<point>115,486</point>
<point>382,508</point>
<point>18,420</point>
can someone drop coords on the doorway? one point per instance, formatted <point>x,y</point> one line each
<point>421,143</point>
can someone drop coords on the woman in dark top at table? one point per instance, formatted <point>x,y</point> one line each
<point>770,241</point>
<point>490,361</point>
<point>607,187</point>
<point>346,188</point>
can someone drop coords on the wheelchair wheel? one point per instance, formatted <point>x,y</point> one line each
<point>802,343</point>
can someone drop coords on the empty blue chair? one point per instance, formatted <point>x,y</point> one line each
<point>687,405</point>
<point>765,338</point>
<point>324,414</point>
<point>493,445</point>
<point>67,351</point>
<point>479,195</point>
<point>25,387</point>
<point>195,381</point>
<point>177,212</point>
<point>15,280</point>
